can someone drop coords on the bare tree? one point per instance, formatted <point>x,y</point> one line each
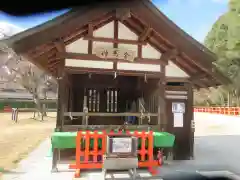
<point>15,68</point>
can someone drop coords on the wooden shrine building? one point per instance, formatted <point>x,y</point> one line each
<point>108,55</point>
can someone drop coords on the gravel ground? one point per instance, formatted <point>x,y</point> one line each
<point>216,149</point>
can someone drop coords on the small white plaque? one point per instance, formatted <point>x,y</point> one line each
<point>177,119</point>
<point>122,145</point>
<point>178,107</point>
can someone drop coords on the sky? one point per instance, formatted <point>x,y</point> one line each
<point>196,17</point>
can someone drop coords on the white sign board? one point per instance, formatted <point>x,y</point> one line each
<point>122,145</point>
<point>177,119</point>
<point>115,53</point>
<point>178,107</point>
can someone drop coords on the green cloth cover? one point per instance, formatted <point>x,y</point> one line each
<point>63,140</point>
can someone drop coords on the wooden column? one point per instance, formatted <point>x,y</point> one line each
<point>59,44</point>
<point>165,57</point>
<point>70,101</point>
<point>60,112</point>
<point>191,117</point>
<point>161,106</point>
<point>162,101</point>
<point>60,107</point>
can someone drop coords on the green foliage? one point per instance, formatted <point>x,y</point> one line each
<point>224,40</point>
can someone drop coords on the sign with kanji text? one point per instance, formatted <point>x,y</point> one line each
<point>115,53</point>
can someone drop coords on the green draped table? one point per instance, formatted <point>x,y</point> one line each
<point>64,140</point>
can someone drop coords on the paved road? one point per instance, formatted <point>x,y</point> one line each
<point>212,153</point>
<point>217,146</point>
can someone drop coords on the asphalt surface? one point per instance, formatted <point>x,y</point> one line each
<point>217,152</point>
<point>212,153</point>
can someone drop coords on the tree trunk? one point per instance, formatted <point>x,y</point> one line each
<point>222,99</point>
<point>228,99</point>
<point>237,99</point>
<point>44,104</point>
<point>37,101</point>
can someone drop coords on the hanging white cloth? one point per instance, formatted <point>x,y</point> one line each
<point>133,107</point>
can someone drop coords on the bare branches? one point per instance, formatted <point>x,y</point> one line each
<point>15,68</point>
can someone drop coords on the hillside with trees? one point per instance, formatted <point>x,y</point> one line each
<point>224,40</point>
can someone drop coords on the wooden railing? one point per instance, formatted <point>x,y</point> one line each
<point>219,110</point>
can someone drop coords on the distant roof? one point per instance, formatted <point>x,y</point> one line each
<point>195,57</point>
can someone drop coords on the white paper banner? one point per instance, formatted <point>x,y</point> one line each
<point>177,119</point>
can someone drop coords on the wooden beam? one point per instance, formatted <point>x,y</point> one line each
<point>44,57</point>
<point>40,50</point>
<point>40,62</point>
<point>73,35</point>
<point>145,34</point>
<point>90,30</point>
<point>176,79</point>
<point>93,57</point>
<point>169,54</point>
<point>59,44</point>
<point>204,80</point>
<point>135,27</point>
<point>194,53</point>
<point>102,114</point>
<point>83,31</point>
<point>77,70</point>
<point>200,84</point>
<point>54,63</point>
<point>74,20</point>
<point>219,78</point>
<point>115,45</point>
<point>171,34</point>
<point>90,34</point>
<point>198,76</point>
<point>123,13</point>
<point>113,40</point>
<point>139,51</point>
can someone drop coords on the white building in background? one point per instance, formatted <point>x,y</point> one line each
<point>4,84</point>
<point>14,90</point>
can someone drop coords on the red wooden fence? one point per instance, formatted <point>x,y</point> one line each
<point>235,111</point>
<point>86,152</point>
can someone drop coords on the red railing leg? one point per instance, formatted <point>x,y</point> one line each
<point>78,153</point>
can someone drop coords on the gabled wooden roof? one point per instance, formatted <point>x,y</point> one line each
<point>38,43</point>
